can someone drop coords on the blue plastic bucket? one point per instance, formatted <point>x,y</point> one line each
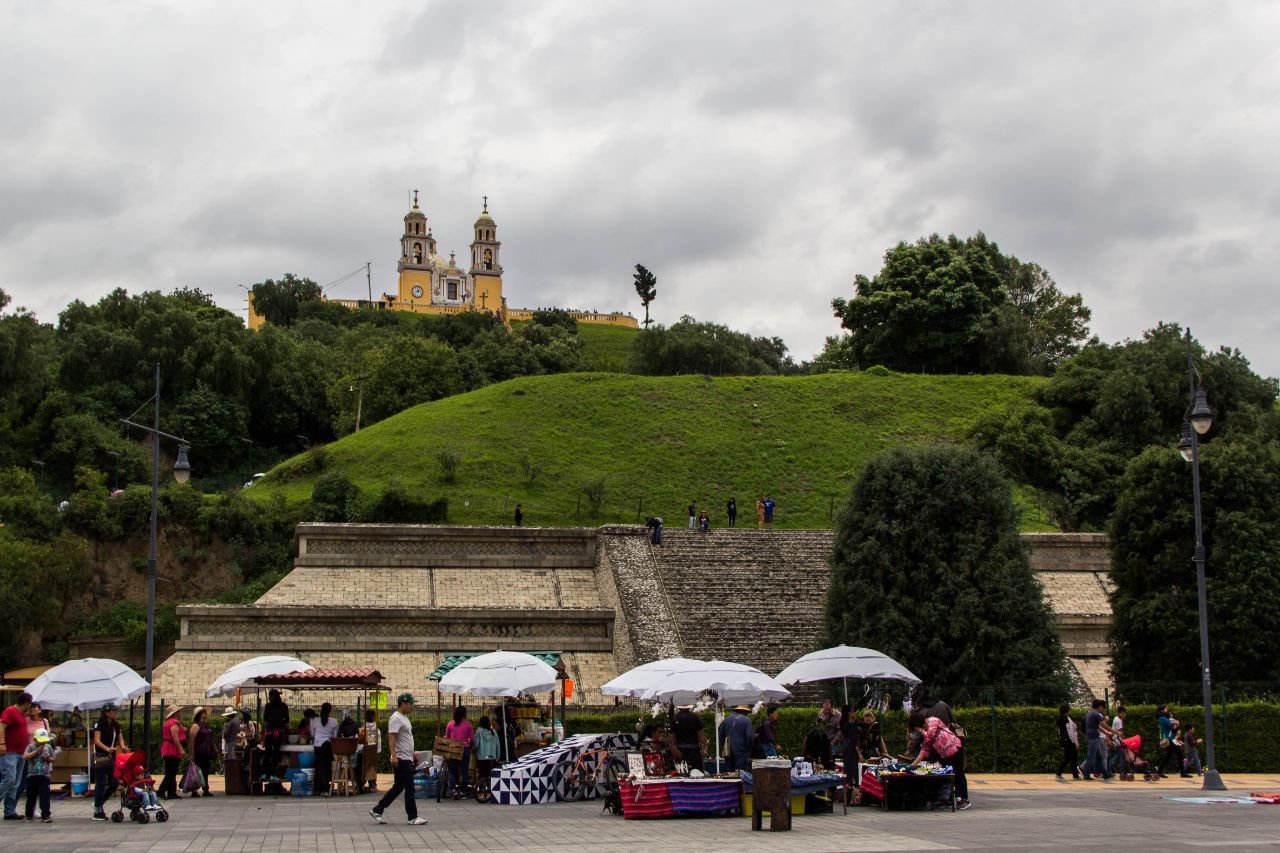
<point>79,784</point>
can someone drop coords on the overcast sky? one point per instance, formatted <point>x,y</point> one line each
<point>755,156</point>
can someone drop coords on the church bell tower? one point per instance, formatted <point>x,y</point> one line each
<point>417,250</point>
<point>486,269</point>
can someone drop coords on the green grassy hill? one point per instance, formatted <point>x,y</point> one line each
<point>656,442</point>
<point>606,348</point>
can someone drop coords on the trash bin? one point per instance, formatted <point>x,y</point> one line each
<point>770,792</point>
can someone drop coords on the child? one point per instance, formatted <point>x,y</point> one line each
<point>39,757</point>
<point>1191,764</point>
<point>488,751</point>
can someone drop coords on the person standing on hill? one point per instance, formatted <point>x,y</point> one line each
<point>704,522</point>
<point>768,511</point>
<point>731,512</point>
<point>759,512</point>
<point>519,514</point>
<point>693,514</point>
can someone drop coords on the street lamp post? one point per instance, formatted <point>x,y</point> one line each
<point>1198,420</point>
<point>181,473</point>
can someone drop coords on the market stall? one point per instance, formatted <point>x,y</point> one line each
<point>898,785</point>
<point>295,754</point>
<point>78,686</point>
<point>650,798</point>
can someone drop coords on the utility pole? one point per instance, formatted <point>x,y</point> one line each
<point>368,279</point>
<point>359,389</point>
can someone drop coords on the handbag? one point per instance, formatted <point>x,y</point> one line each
<point>959,731</point>
<point>102,762</point>
<point>194,779</point>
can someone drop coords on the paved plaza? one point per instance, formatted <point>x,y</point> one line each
<point>1009,813</point>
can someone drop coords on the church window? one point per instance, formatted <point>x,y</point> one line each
<point>453,290</point>
<point>417,253</point>
<point>488,259</point>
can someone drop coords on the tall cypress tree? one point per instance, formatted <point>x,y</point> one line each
<point>929,568</point>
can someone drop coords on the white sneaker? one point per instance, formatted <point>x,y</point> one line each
<point>418,821</point>
<point>376,816</point>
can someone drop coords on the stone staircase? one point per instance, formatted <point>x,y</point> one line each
<point>749,596</point>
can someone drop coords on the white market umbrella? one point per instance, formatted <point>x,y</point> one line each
<point>246,671</point>
<point>636,681</point>
<point>846,662</point>
<point>500,674</point>
<point>86,684</point>
<point>733,684</point>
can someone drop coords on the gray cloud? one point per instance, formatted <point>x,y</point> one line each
<point>756,156</point>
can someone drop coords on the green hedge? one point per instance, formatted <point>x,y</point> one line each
<point>1004,740</point>
<point>1025,740</point>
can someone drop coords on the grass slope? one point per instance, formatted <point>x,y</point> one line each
<point>605,348</point>
<point>658,442</point>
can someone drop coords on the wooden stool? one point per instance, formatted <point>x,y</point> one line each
<point>343,780</point>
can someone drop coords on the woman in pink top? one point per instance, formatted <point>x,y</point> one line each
<point>942,744</point>
<point>460,729</point>
<point>172,736</point>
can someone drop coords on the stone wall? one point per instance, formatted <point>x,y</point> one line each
<point>401,597</point>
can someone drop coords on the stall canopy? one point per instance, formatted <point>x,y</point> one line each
<point>733,683</point>
<point>243,673</point>
<point>637,680</point>
<point>452,660</point>
<point>500,674</point>
<point>323,679</point>
<point>846,662</point>
<point>86,684</point>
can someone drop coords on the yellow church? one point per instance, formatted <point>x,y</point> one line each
<point>430,285</point>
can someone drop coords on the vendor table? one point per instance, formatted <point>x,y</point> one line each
<point>668,797</point>
<point>906,789</point>
<point>288,759</point>
<point>823,784</point>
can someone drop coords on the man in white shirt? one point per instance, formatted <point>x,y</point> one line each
<point>400,733</point>
<point>1117,762</point>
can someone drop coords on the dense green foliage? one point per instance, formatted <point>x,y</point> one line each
<point>928,567</point>
<point>692,347</point>
<point>1105,405</point>
<point>957,306</point>
<point>655,442</point>
<point>1155,634</point>
<point>1020,739</point>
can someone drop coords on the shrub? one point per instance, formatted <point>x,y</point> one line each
<point>448,460</point>
<point>594,492</point>
<point>394,505</point>
<point>333,497</point>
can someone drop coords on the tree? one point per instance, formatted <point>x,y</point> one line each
<point>690,346</point>
<point>1155,633</point>
<point>928,566</point>
<point>961,306</point>
<point>278,302</point>
<point>646,288</point>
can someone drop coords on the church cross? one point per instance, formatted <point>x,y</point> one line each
<point>484,299</point>
<point>486,204</point>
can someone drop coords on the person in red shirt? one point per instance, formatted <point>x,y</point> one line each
<point>13,742</point>
<point>943,745</point>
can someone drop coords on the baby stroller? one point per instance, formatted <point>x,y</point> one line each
<point>1133,760</point>
<point>137,791</point>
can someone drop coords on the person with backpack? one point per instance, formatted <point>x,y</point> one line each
<point>1069,740</point>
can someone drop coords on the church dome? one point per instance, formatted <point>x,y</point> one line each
<point>485,219</point>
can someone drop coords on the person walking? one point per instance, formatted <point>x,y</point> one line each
<point>323,729</point>
<point>519,515</point>
<point>1169,741</point>
<point>690,736</point>
<point>172,737</point>
<point>200,744</point>
<point>1191,765</point>
<point>731,512</point>
<point>737,732</point>
<point>108,742</point>
<point>1069,740</point>
<point>693,514</point>
<point>1095,729</point>
<point>39,757</point>
<point>13,743</point>
<point>460,768</point>
<point>1115,759</point>
<point>939,740</point>
<point>400,736</point>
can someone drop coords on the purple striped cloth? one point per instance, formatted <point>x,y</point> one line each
<point>705,797</point>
